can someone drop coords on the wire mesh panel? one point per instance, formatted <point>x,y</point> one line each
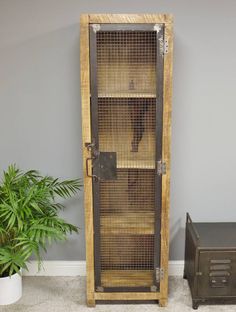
<point>127,126</point>
<point>126,63</point>
<point>127,228</point>
<point>126,70</point>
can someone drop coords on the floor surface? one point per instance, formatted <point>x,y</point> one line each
<point>67,294</point>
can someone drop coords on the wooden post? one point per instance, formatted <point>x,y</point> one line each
<point>166,157</point>
<point>86,129</point>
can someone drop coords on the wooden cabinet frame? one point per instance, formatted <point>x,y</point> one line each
<point>165,19</point>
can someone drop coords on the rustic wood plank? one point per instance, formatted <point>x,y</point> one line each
<point>130,18</point>
<point>86,136</point>
<point>166,156</point>
<point>127,296</point>
<point>129,278</point>
<point>128,222</point>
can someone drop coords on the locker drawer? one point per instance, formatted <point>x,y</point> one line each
<point>216,273</point>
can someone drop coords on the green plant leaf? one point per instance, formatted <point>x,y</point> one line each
<point>29,219</point>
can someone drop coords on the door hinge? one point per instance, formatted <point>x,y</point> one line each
<point>159,274</point>
<point>161,167</point>
<point>164,45</point>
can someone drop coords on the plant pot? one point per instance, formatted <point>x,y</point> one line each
<point>10,289</point>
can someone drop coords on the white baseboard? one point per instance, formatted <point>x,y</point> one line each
<point>176,268</point>
<point>78,268</point>
<point>57,268</point>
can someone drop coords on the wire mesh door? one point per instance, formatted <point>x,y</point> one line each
<point>126,104</point>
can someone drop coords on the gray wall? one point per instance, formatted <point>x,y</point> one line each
<point>40,119</point>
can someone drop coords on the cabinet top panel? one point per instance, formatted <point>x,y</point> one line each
<point>129,18</point>
<point>216,234</point>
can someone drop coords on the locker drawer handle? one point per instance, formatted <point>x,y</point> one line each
<point>87,171</point>
<point>221,282</point>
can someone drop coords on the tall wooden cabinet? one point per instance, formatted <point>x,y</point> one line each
<point>126,77</point>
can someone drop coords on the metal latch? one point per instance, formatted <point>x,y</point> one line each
<point>90,146</point>
<point>159,274</point>
<point>161,167</point>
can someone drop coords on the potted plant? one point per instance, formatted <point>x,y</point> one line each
<point>29,222</point>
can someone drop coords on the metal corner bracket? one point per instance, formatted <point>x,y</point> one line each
<point>157,28</point>
<point>96,27</point>
<point>153,288</point>
<point>99,289</point>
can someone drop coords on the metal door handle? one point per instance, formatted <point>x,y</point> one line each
<point>87,171</point>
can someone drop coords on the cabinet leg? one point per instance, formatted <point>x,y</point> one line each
<point>195,304</point>
<point>163,303</point>
<point>91,303</point>
<point>184,276</point>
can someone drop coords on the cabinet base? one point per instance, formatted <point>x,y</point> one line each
<point>127,297</point>
<point>162,302</point>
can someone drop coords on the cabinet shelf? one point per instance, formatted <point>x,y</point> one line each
<point>129,223</point>
<point>127,94</point>
<point>134,164</point>
<point>131,278</point>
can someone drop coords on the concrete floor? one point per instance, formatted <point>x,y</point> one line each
<point>67,294</point>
